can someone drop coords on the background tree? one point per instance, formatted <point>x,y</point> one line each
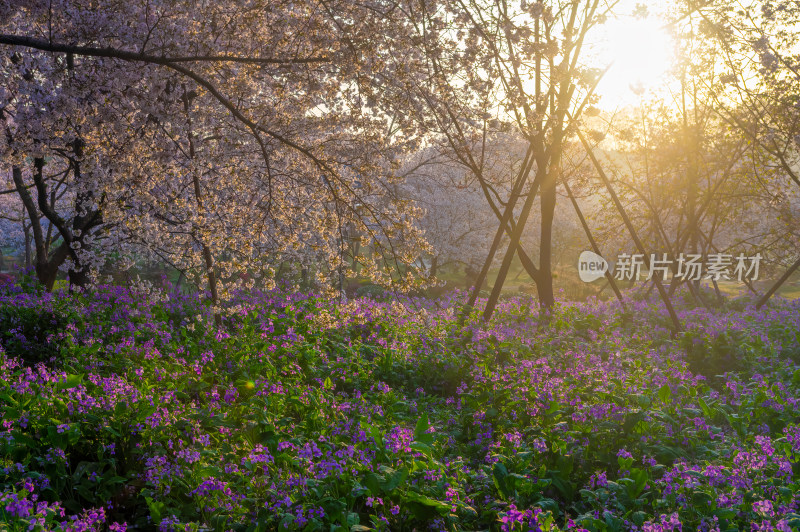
<point>488,67</point>
<point>758,92</point>
<point>455,218</point>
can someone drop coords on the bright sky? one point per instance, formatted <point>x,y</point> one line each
<point>641,52</point>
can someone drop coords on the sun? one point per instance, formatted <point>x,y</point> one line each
<point>641,51</point>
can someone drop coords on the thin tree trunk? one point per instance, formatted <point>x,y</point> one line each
<point>720,299</point>
<point>44,273</point>
<point>664,296</point>
<point>208,258</point>
<point>544,281</point>
<point>778,284</point>
<point>181,277</point>
<point>507,223</point>
<point>212,282</point>
<point>27,232</point>
<point>593,243</point>
<point>512,247</point>
<point>78,276</point>
<point>501,230</point>
<point>356,252</point>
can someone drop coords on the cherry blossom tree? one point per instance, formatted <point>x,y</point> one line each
<point>220,137</point>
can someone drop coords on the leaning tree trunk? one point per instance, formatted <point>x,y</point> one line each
<point>45,267</point>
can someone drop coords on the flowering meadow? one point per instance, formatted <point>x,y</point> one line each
<point>129,409</point>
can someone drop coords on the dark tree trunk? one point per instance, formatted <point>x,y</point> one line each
<point>28,254</point>
<point>47,269</point>
<point>181,277</point>
<point>46,274</point>
<point>78,279</point>
<point>212,281</point>
<point>544,281</point>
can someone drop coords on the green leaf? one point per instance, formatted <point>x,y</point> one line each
<point>725,513</point>
<point>421,430</point>
<point>555,406</point>
<point>25,440</point>
<point>705,408</point>
<point>664,393</point>
<point>422,448</point>
<point>565,465</point>
<point>548,505</point>
<point>73,436</point>
<point>84,492</point>
<point>372,482</point>
<point>9,400</point>
<point>639,477</point>
<point>394,479</point>
<point>156,509</point>
<point>631,420</point>
<point>793,520</point>
<point>701,499</point>
<point>612,522</point>
<point>112,430</point>
<point>427,501</point>
<point>564,487</point>
<point>500,474</point>
<point>71,382</point>
<point>639,517</point>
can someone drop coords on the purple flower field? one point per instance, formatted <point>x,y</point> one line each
<point>125,410</point>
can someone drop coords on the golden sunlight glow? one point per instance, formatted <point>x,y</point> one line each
<point>641,52</point>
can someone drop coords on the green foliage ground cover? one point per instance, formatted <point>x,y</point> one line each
<point>123,409</point>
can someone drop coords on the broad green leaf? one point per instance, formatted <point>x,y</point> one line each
<point>420,431</point>
<point>664,393</point>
